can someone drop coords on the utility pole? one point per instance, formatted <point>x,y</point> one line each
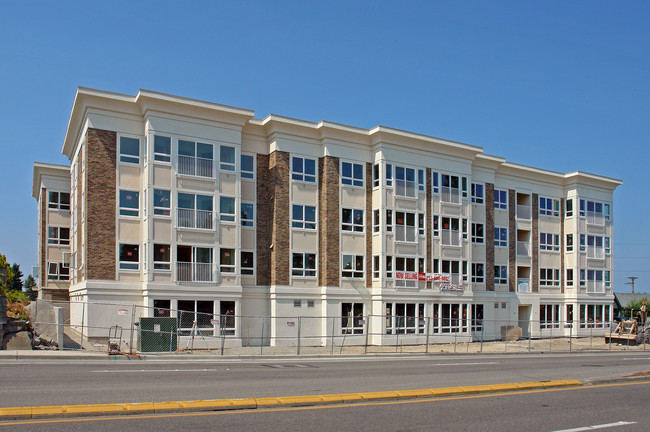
<point>632,279</point>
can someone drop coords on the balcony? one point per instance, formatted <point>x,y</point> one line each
<point>523,212</point>
<point>523,248</point>
<point>450,195</point>
<point>595,218</point>
<point>451,238</point>
<point>406,188</point>
<point>195,166</point>
<point>193,272</point>
<point>190,218</point>
<point>523,285</point>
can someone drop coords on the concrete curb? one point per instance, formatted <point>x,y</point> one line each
<point>21,413</point>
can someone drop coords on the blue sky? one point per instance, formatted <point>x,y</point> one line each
<point>554,84</point>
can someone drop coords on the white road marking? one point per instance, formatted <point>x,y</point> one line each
<point>464,364</point>
<point>154,370</point>
<point>638,358</point>
<point>601,426</point>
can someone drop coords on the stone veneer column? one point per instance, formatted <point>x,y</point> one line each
<point>489,237</point>
<point>428,224</point>
<point>43,231</point>
<point>512,240</point>
<point>264,225</point>
<point>101,174</point>
<point>562,272</point>
<point>281,218</point>
<point>329,215</point>
<point>368,229</point>
<point>534,276</point>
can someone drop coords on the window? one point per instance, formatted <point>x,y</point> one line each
<point>595,247</point>
<point>435,183</point>
<point>389,175</point>
<point>477,193</point>
<point>405,318</point>
<point>200,312</point>
<point>464,228</point>
<point>477,233</point>
<point>375,221</point>
<point>421,180</point>
<point>405,227</point>
<point>464,186</point>
<point>549,206</point>
<point>129,203</point>
<point>303,264</point>
<point>161,205</point>
<point>375,267</point>
<point>404,266</point>
<point>352,321</point>
<point>352,266</point>
<point>583,242</point>
<point>583,277</point>
<point>500,199</point>
<point>477,317</point>
<point>247,215</point>
<point>352,174</point>
<point>501,275</point>
<point>303,169</point>
<point>478,273</point>
<point>310,303</point>
<point>549,316</point>
<point>375,175</point>
<point>58,235</point>
<point>450,189</point>
<point>389,267</point>
<point>451,235</point>
<point>58,271</point>
<point>161,257</point>
<point>129,257</point>
<point>608,248</point>
<point>421,230</point>
<point>606,212</point>
<point>303,216</point>
<point>226,158</point>
<point>608,279</point>
<point>227,209</point>
<point>549,277</point>
<point>129,150</point>
<point>569,277</point>
<point>594,315</point>
<point>452,268</point>
<point>500,237</point>
<point>162,148</point>
<point>297,303</point>
<point>226,260</point>
<point>405,182</point>
<point>595,281</point>
<point>194,211</point>
<point>549,242</point>
<point>596,212</point>
<point>352,220</point>
<point>195,158</point>
<point>436,265</point>
<point>247,263</point>
<point>569,242</point>
<point>569,208</point>
<point>162,308</point>
<point>59,200</point>
<point>389,220</point>
<point>247,166</point>
<point>194,264</point>
<point>436,226</point>
<point>583,212</point>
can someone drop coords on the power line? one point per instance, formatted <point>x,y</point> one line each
<point>632,279</point>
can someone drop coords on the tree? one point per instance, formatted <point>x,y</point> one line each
<point>17,282</point>
<point>6,275</point>
<point>30,283</point>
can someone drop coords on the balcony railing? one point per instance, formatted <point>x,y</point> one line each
<point>596,253</point>
<point>190,218</point>
<point>195,166</point>
<point>193,272</point>
<point>523,211</point>
<point>451,238</point>
<point>406,188</point>
<point>595,287</point>
<point>523,285</point>
<point>523,248</point>
<point>450,195</point>
<point>404,233</point>
<point>594,218</point>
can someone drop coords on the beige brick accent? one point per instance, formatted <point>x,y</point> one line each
<point>534,272</point>
<point>368,230</point>
<point>489,237</point>
<point>428,224</point>
<point>100,204</point>
<point>280,181</point>
<point>43,245</point>
<point>329,221</point>
<point>512,240</point>
<point>264,225</point>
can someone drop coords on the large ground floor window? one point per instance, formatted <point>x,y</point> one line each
<point>405,318</point>
<point>352,321</point>
<point>595,316</point>
<point>199,317</point>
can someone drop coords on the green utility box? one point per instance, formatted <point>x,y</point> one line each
<point>157,334</point>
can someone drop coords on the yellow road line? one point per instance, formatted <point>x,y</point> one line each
<point>305,408</point>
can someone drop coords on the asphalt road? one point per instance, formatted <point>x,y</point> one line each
<point>615,407</point>
<point>63,382</point>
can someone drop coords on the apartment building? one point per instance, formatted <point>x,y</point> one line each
<point>194,206</point>
<point>51,189</point>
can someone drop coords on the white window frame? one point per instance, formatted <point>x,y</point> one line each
<point>376,221</point>
<point>57,240</point>
<point>376,266</point>
<point>126,158</point>
<point>249,220</point>
<point>304,271</point>
<point>227,217</point>
<point>247,271</point>
<point>200,219</point>
<point>501,274</point>
<point>404,262</point>
<point>554,246</point>
<point>194,165</point>
<point>227,166</point>
<point>451,194</point>
<point>129,265</point>
<point>405,188</point>
<point>228,268</point>
<point>162,211</point>
<point>56,271</point>
<point>498,242</point>
<point>352,179</point>
<point>161,156</point>
<point>478,198</point>
<point>246,174</point>
<point>58,204</point>
<point>549,277</point>
<point>128,212</point>
<point>159,265</point>
<point>403,231</point>
<point>477,237</point>
<point>544,209</point>
<point>302,175</point>
<point>478,272</point>
<point>303,223</point>
<point>451,237</point>
<point>352,324</point>
<point>500,199</point>
<point>353,225</point>
<point>352,272</point>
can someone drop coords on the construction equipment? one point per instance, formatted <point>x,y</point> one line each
<point>115,340</point>
<point>630,332</point>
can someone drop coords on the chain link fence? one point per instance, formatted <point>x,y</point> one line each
<point>132,329</point>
